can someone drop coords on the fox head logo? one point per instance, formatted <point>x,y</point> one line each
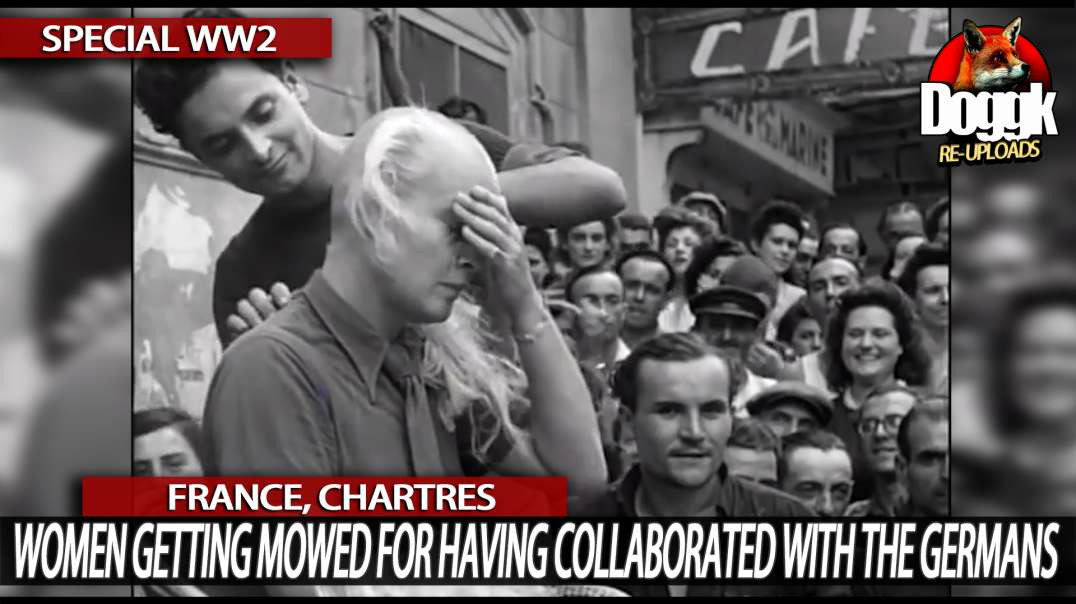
<point>991,62</point>
<point>989,90</point>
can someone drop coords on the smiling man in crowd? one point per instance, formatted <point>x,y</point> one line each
<point>879,421</point>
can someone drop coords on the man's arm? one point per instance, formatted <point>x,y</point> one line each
<point>564,192</point>
<point>550,186</point>
<point>391,74</point>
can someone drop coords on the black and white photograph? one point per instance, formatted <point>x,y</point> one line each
<point>696,262</point>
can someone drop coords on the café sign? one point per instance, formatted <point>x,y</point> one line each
<point>782,40</point>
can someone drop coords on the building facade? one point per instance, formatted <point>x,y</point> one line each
<point>815,106</point>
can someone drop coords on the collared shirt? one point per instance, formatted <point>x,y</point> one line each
<point>736,499</point>
<point>307,393</point>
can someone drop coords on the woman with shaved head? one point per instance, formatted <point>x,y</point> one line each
<point>381,365</point>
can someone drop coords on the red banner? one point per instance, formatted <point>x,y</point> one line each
<point>165,38</point>
<point>302,496</point>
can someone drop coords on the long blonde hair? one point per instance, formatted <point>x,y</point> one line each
<point>460,354</point>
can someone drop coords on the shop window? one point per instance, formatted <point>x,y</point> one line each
<point>486,83</point>
<point>437,69</point>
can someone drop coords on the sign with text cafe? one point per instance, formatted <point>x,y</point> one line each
<point>691,54</point>
<point>751,77</point>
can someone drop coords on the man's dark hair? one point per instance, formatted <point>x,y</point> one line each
<point>750,433</point>
<point>795,314</point>
<point>926,255</point>
<point>821,439</point>
<point>833,226</point>
<point>895,208</point>
<point>150,420</point>
<point>935,410</point>
<point>582,273</point>
<point>668,347</point>
<point>162,86</point>
<point>914,361</point>
<point>457,108</point>
<point>574,146</point>
<point>633,220</point>
<point>777,212</point>
<point>611,233</point>
<point>932,222</point>
<point>539,238</point>
<point>652,256</point>
<point>675,217</point>
<point>705,255</point>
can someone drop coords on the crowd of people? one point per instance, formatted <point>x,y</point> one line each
<point>823,361</point>
<point>427,297</point>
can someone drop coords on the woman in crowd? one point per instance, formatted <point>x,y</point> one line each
<point>800,329</point>
<point>680,233</point>
<point>710,261</point>
<point>874,340</point>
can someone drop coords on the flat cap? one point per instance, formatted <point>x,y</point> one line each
<point>730,301</point>
<point>813,399</point>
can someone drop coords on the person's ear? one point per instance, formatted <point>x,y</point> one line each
<point>295,83</point>
<point>901,467</point>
